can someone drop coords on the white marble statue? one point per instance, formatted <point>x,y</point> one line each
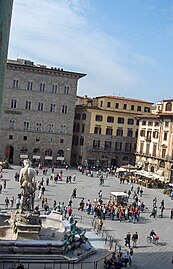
<point>27,186</point>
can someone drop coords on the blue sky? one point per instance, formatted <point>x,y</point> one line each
<point>124,46</point>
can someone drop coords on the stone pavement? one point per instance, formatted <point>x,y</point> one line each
<point>146,255</point>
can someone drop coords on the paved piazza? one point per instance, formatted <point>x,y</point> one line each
<point>146,255</point>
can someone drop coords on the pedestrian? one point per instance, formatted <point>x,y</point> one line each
<point>12,201</point>
<point>127,239</point>
<point>171,214</point>
<point>135,239</point>
<point>69,178</point>
<point>74,177</point>
<point>7,202</point>
<point>5,183</point>
<point>74,193</point>
<point>0,188</point>
<point>17,202</point>
<point>69,211</point>
<point>47,181</point>
<point>81,205</point>
<point>154,212</point>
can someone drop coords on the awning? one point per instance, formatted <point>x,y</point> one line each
<point>23,156</point>
<point>37,157</point>
<point>119,193</point>
<point>48,158</point>
<point>60,158</point>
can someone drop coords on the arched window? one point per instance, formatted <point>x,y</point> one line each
<point>30,85</point>
<point>36,151</point>
<point>52,108</point>
<point>64,109</point>
<point>15,83</point>
<point>168,106</point>
<point>60,153</point>
<point>11,124</point>
<point>28,105</point>
<point>38,127</point>
<point>48,152</point>
<point>42,86</point>
<point>13,103</point>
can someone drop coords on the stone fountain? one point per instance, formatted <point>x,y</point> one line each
<point>29,233</point>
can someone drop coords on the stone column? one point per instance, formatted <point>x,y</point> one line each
<point>5,22</point>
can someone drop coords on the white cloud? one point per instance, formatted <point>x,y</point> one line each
<point>58,33</point>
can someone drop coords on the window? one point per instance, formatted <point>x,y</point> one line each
<point>52,108</point>
<point>66,90</point>
<point>11,124</point>
<point>156,124</point>
<point>28,105</point>
<point>163,152</point>
<point>61,141</point>
<point>25,138</point>
<point>108,104</point>
<point>13,103</point>
<point>165,136</point>
<point>107,145</point>
<point>83,128</point>
<point>148,137</point>
<point>76,127</point>
<point>155,134</point>
<point>130,121</point>
<point>54,88</point>
<point>64,109</point>
<point>144,122</point>
<point>98,118</point>
<point>125,106</point>
<point>168,106</point>
<point>75,140</point>
<point>84,116</point>
<point>109,131</point>
<point>147,148</point>
<point>50,127</point>
<point>130,132</point>
<point>26,125</point>
<point>132,107</point>
<point>119,132</point>
<point>40,106</point>
<point>81,142</point>
<point>30,85</point>
<point>142,133</point>
<point>15,83</point>
<point>10,137</point>
<point>141,148</point>
<point>42,86</point>
<point>50,140</point>
<point>96,144</point>
<point>154,150</point>
<point>118,146</point>
<point>121,120</point>
<point>97,129</point>
<point>110,119</point>
<point>147,109</point>
<point>77,116</point>
<point>63,129</point>
<point>116,105</point>
<point>101,103</point>
<point>150,123</point>
<point>48,152</point>
<point>166,123</point>
<point>38,127</point>
<point>138,108</point>
<point>128,147</point>
<point>137,122</point>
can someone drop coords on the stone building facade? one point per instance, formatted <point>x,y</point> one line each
<point>105,130</point>
<point>38,113</point>
<point>155,141</point>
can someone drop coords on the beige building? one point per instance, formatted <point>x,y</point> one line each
<point>105,130</point>
<point>38,113</point>
<point>155,141</point>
